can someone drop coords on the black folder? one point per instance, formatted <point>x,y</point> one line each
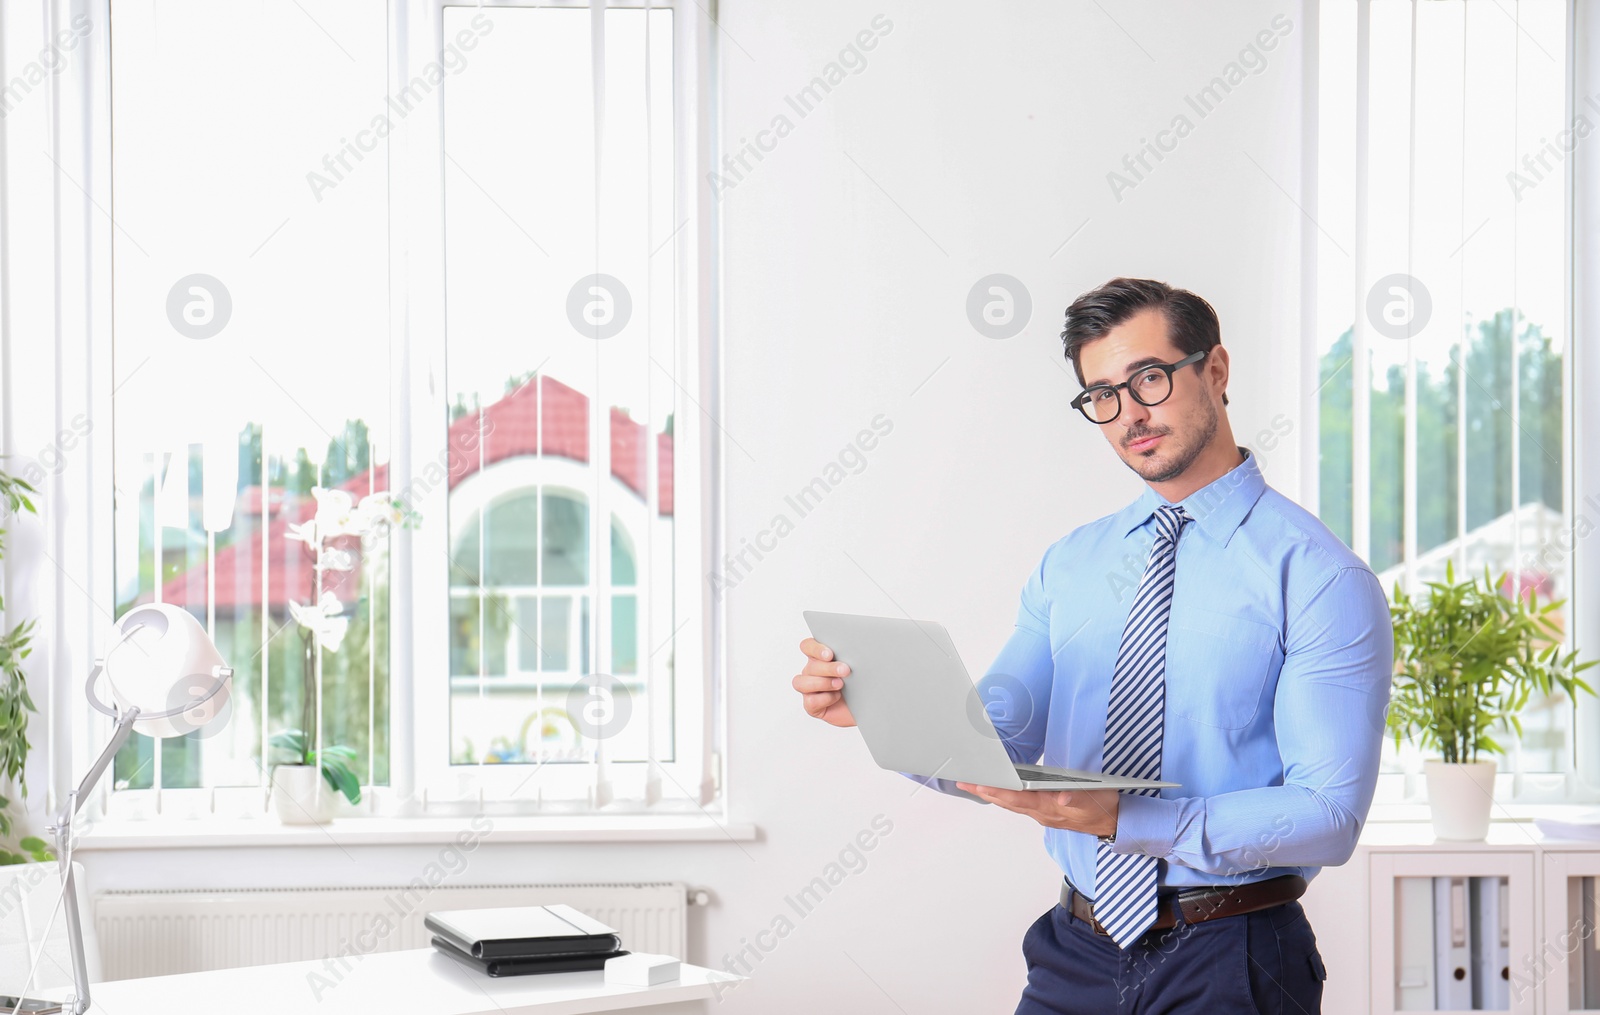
<point>523,967</point>
<point>522,932</point>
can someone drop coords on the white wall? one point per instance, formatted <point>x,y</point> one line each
<point>976,141</point>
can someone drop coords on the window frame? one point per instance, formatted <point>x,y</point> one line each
<point>692,782</point>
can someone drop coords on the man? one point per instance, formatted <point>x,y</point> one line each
<point>1212,633</point>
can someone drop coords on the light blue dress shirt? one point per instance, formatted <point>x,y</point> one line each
<point>1279,658</point>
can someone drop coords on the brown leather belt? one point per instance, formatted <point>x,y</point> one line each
<point>1196,905</point>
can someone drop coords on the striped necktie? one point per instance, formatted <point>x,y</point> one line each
<point>1125,883</point>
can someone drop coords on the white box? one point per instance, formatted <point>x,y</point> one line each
<point>640,969</point>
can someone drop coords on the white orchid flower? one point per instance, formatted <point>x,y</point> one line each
<point>335,512</point>
<point>337,560</point>
<point>332,634</point>
<point>383,508</point>
<point>305,532</point>
<point>384,511</point>
<point>324,620</point>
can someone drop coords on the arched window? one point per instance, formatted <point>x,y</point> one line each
<point>520,612</point>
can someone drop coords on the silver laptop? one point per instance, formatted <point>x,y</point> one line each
<point>920,712</point>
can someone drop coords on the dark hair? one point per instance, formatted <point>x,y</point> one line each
<point>1191,323</point>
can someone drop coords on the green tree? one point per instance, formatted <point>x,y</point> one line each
<point>1336,446</point>
<point>1485,412</point>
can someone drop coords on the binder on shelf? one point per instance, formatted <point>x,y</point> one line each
<point>1452,945</point>
<point>1501,995</point>
<point>1579,917</point>
<point>1413,965</point>
<point>1491,943</point>
<point>1589,947</point>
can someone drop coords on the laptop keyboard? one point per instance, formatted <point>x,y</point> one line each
<point>1033,776</point>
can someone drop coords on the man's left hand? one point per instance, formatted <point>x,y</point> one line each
<point>1079,810</point>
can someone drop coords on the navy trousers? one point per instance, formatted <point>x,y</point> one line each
<point>1261,963</point>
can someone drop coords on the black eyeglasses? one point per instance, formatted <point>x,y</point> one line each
<point>1151,385</point>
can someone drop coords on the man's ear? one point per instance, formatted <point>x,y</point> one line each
<point>1217,370</point>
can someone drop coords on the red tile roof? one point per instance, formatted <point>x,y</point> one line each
<point>509,428</point>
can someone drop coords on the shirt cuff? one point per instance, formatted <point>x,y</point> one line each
<point>1146,824</point>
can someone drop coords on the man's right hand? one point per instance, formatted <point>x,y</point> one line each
<point>820,684</point>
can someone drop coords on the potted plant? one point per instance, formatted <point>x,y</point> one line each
<point>298,795</point>
<point>15,703</point>
<point>1467,659</point>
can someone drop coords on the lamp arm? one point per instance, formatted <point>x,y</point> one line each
<point>62,831</point>
<point>119,737</point>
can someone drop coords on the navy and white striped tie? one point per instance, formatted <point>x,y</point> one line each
<point>1125,883</point>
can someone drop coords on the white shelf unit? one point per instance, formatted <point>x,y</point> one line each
<point>1352,909</point>
<point>1516,867</point>
<point>1565,865</point>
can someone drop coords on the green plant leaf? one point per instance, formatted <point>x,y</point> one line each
<point>292,745</point>
<point>1468,659</point>
<point>342,779</point>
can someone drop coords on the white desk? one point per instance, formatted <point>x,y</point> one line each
<point>417,982</point>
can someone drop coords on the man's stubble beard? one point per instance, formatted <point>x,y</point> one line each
<point>1208,430</point>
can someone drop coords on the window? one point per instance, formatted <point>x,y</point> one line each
<point>1443,379</point>
<point>559,325</point>
<point>443,301</point>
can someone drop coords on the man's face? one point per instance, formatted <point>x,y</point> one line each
<point>1158,442</point>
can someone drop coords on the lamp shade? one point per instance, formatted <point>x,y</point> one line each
<point>162,662</point>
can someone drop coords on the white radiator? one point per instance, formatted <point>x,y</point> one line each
<point>156,933</point>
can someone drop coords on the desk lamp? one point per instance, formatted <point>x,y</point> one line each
<point>167,679</point>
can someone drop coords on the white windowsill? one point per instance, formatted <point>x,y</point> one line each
<point>1409,827</point>
<point>1503,813</point>
<point>211,833</point>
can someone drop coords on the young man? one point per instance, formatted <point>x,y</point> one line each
<point>1212,633</point>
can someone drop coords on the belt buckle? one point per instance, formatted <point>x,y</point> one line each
<point>1094,921</point>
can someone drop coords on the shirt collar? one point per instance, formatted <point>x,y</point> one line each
<point>1218,507</point>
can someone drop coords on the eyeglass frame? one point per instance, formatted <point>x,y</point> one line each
<point>1168,368</point>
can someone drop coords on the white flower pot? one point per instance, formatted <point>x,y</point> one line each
<point>300,796</point>
<point>1460,795</point>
